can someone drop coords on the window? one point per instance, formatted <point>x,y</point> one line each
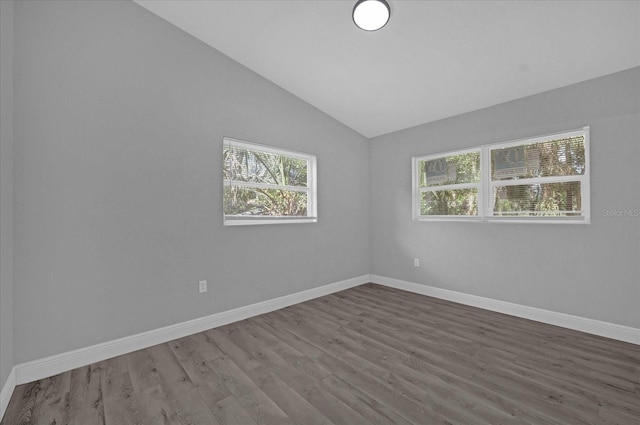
<point>449,184</point>
<point>545,179</point>
<point>264,185</point>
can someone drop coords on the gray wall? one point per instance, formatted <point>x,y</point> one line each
<point>114,212</point>
<point>585,270</point>
<point>119,120</point>
<point>6,190</point>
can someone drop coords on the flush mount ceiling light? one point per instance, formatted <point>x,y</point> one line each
<point>371,15</point>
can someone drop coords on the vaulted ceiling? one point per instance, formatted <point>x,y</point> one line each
<point>434,59</point>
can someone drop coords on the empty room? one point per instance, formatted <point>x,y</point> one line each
<point>319,212</point>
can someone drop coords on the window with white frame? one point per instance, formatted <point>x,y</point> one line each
<point>264,184</point>
<point>448,185</point>
<point>543,179</point>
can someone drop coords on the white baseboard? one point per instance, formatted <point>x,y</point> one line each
<point>7,391</point>
<point>596,327</point>
<point>53,365</point>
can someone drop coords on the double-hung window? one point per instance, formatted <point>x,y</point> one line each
<point>264,184</point>
<point>542,179</point>
<point>545,178</point>
<point>448,185</point>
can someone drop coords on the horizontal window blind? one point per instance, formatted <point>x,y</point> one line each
<point>539,178</point>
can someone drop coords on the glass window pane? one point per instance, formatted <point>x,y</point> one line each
<point>561,157</point>
<point>449,202</point>
<point>547,199</point>
<point>240,200</point>
<point>453,169</point>
<point>247,165</point>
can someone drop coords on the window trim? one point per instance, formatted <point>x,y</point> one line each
<point>486,185</point>
<point>310,189</point>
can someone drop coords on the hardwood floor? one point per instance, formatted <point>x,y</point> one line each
<point>368,355</point>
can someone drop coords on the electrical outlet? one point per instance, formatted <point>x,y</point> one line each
<point>203,286</point>
<point>416,262</point>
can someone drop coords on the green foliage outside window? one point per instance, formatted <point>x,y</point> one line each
<point>450,170</point>
<point>450,202</point>
<point>544,177</point>
<point>554,158</point>
<point>260,170</point>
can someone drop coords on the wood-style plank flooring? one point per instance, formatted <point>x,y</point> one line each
<point>368,355</point>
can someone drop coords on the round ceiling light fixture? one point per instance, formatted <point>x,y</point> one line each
<point>371,15</point>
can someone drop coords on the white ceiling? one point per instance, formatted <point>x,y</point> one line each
<point>433,60</point>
